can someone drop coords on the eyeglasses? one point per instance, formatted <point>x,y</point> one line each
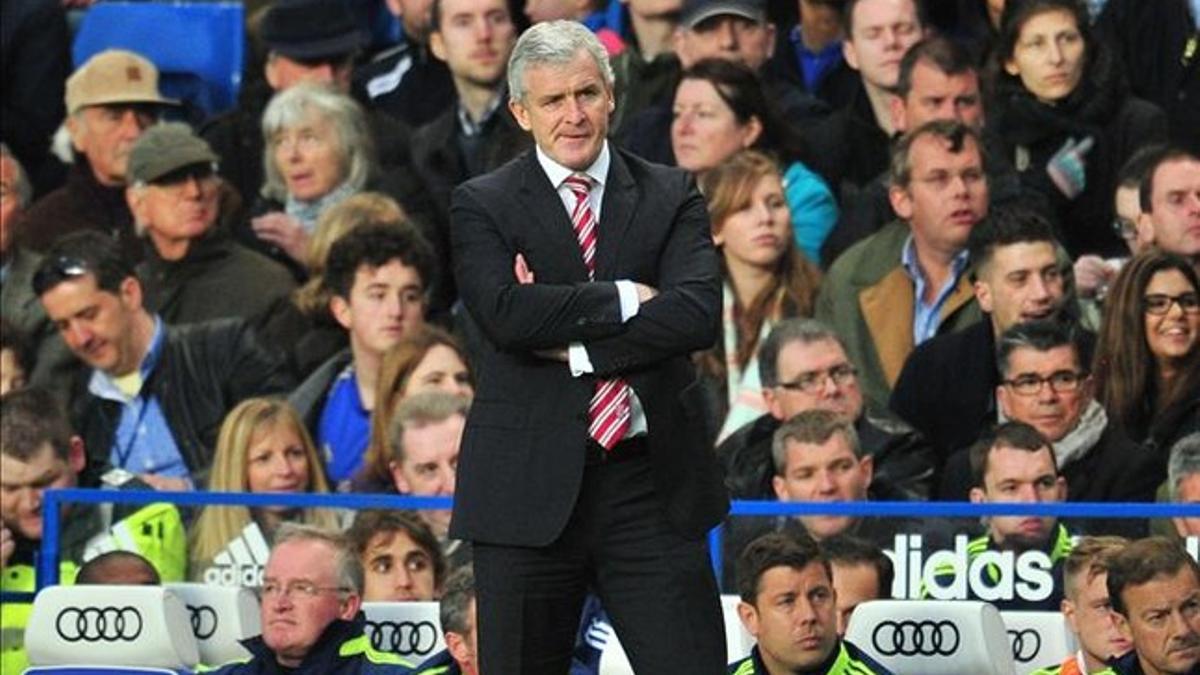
<point>53,272</point>
<point>299,587</point>
<point>1125,228</point>
<point>812,381</point>
<point>1061,382</point>
<point>1160,303</point>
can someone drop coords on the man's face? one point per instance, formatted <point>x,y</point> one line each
<point>855,584</point>
<point>105,134</point>
<point>813,363</point>
<point>12,375</point>
<point>1053,413</point>
<point>726,36</point>
<point>97,325</point>
<point>825,472</point>
<point>1021,282</point>
<point>566,107</point>
<point>1164,621</point>
<point>284,72</point>
<point>881,33</point>
<point>385,303</point>
<point>396,569</point>
<point>1188,492</point>
<point>820,22</point>
<point>1090,616</point>
<point>934,95</point>
<point>474,38</point>
<point>292,619</point>
<point>23,482</point>
<point>1021,476</point>
<point>1173,222</point>
<point>946,195</point>
<point>430,465</point>
<point>415,15</point>
<point>9,201</point>
<point>794,617</point>
<point>464,647</point>
<point>175,212</point>
<point>1128,209</point>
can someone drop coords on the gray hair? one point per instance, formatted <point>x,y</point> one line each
<point>418,410</point>
<point>814,427</point>
<point>1040,335</point>
<point>1185,461</point>
<point>805,331</point>
<point>294,106</point>
<point>21,182</point>
<point>347,567</point>
<point>554,42</point>
<point>456,600</point>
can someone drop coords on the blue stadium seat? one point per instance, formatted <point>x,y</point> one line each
<point>198,47</point>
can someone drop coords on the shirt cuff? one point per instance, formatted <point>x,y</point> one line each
<point>627,292</point>
<point>578,359</point>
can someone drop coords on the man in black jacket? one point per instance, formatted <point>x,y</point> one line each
<point>153,397</point>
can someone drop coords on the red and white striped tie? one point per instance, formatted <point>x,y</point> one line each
<point>609,412</point>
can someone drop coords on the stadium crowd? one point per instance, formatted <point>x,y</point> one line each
<point>960,251</point>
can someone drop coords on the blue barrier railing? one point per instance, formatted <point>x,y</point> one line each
<point>47,573</point>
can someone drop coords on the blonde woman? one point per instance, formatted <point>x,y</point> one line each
<point>263,447</point>
<point>766,277</point>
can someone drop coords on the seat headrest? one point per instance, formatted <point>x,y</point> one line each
<point>110,626</point>
<point>738,640</point>
<point>933,637</point>
<point>1038,638</point>
<point>221,617</point>
<point>412,630</point>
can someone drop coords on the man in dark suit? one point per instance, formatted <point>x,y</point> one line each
<point>592,276</point>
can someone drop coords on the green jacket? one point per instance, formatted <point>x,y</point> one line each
<point>868,299</point>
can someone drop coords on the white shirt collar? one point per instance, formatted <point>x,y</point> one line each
<point>557,173</point>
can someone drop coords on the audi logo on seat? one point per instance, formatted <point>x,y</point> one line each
<point>916,638</point>
<point>1026,644</point>
<point>204,621</point>
<point>406,638</point>
<point>99,624</point>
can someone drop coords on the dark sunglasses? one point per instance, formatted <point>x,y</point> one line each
<point>53,272</point>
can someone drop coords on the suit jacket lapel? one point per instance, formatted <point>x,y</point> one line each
<point>545,209</point>
<point>616,214</point>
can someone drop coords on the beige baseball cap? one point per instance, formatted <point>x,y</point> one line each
<point>114,76</point>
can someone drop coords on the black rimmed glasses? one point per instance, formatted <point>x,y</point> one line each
<point>1160,303</point>
<point>1061,382</point>
<point>812,381</point>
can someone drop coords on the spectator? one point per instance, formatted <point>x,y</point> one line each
<point>1169,197</point>
<point>1183,481</point>
<point>1154,586</point>
<point>809,56</point>
<point>1064,120</point>
<point>318,153</point>
<point>461,655</point>
<point>1015,463</point>
<point>786,591</point>
<point>766,277</point>
<point>1147,373</point>
<point>818,459</point>
<point>1087,608</point>
<point>849,148</point>
<point>15,363</point>
<point>122,568</point>
<point>311,623</point>
<point>38,452</point>
<point>647,69</point>
<point>861,572</point>
<point>308,41</point>
<point>262,448</point>
<point>803,366</point>
<point>401,557</point>
<point>193,269</point>
<point>111,99</point>
<point>425,433</point>
<point>947,388</point>
<point>407,81</point>
<point>903,285</point>
<point>721,109</point>
<point>151,397</point>
<point>325,336</point>
<point>376,275</point>
<point>427,359</point>
<point>478,132</point>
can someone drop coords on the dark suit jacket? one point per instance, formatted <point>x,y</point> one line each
<point>521,465</point>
